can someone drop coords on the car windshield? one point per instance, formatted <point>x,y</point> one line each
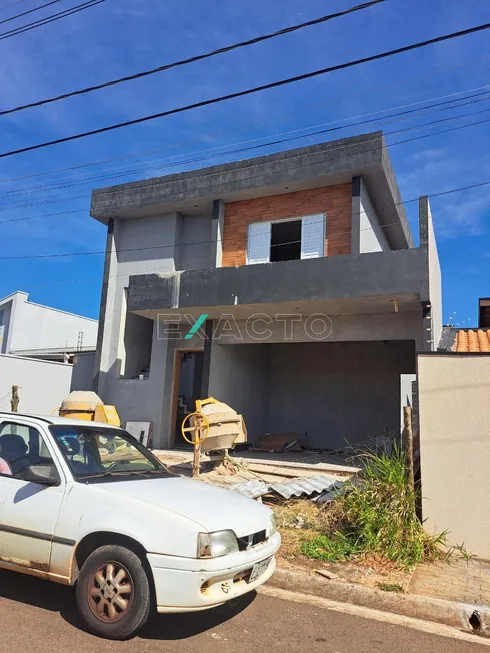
<point>104,453</point>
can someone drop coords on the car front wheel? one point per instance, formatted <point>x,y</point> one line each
<point>113,593</point>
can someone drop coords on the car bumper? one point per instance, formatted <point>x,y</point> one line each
<point>187,585</point>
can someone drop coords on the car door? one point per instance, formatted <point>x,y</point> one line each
<point>28,511</point>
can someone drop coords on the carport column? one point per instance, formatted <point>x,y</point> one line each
<point>102,353</point>
<point>206,363</point>
<point>355,246</point>
<point>426,343</point>
<point>217,232</point>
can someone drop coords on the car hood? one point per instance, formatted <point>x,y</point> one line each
<point>213,508</point>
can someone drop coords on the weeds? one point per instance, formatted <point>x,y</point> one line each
<point>390,587</point>
<point>376,516</point>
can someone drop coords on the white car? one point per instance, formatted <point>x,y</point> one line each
<point>84,503</point>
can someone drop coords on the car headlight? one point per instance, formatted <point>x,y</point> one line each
<point>217,544</point>
<point>273,527</point>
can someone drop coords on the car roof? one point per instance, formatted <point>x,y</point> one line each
<point>52,419</point>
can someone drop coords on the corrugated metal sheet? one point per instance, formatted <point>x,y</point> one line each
<point>253,489</point>
<point>297,487</point>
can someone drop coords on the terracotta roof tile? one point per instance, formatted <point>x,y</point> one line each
<point>472,341</point>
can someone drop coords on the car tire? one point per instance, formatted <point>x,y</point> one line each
<point>113,593</point>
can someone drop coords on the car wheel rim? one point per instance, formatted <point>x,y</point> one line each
<point>110,592</point>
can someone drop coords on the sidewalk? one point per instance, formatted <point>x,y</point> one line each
<point>463,581</point>
<point>456,594</point>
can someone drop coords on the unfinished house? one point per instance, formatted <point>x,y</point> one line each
<point>287,286</point>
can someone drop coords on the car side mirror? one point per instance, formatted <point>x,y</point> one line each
<point>42,473</point>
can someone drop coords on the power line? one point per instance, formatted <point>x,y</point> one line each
<point>280,141</point>
<point>420,111</point>
<point>11,4</point>
<point>199,57</point>
<point>249,91</point>
<point>29,11</point>
<point>273,118</point>
<point>203,242</point>
<point>49,19</point>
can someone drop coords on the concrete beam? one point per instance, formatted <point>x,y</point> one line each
<point>395,273</point>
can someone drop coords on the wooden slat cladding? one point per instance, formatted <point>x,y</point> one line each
<point>334,201</point>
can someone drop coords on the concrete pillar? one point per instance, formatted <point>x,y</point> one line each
<point>206,363</point>
<point>101,365</point>
<point>356,216</point>
<point>217,232</point>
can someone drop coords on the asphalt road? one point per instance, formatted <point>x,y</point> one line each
<point>41,617</point>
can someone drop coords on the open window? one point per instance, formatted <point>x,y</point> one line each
<point>286,240</point>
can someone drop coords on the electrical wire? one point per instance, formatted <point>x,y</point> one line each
<point>199,57</point>
<point>409,114</point>
<point>49,19</point>
<point>249,91</point>
<point>29,11</point>
<point>207,258</point>
<point>340,147</point>
<point>212,241</point>
<point>274,118</point>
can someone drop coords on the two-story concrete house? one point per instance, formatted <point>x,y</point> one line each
<point>299,269</point>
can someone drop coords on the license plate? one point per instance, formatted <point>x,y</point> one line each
<point>259,569</point>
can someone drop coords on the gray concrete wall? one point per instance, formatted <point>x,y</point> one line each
<point>375,274</point>
<point>42,384</point>
<point>433,281</point>
<point>342,328</point>
<point>239,376</point>
<point>372,237</point>
<point>338,393</point>
<point>435,284</point>
<point>83,372</point>
<point>195,248</point>
<point>454,410</point>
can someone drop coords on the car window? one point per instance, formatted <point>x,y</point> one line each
<point>21,446</point>
<point>94,453</point>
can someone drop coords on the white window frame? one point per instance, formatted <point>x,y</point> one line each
<point>290,219</point>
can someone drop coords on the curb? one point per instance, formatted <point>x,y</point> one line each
<point>467,616</point>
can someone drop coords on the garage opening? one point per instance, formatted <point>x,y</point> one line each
<point>332,395</point>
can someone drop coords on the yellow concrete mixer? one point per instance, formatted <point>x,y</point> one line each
<point>87,405</point>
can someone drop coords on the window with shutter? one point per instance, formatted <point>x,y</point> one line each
<point>313,236</point>
<point>259,243</point>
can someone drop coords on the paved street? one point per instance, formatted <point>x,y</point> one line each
<point>41,617</point>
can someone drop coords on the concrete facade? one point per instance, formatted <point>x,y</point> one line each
<point>176,250</point>
<point>454,408</point>
<point>31,329</point>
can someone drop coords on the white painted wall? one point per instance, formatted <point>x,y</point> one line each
<point>371,234</point>
<point>42,384</point>
<point>33,326</point>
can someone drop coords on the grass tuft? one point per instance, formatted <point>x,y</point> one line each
<point>376,516</point>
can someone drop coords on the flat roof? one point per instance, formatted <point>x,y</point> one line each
<point>325,164</point>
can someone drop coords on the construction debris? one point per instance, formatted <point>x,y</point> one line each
<point>294,488</point>
<point>326,573</point>
<point>278,442</point>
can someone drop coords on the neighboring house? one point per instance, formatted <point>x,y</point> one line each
<point>36,343</point>
<point>301,271</point>
<point>29,329</point>
<point>454,415</point>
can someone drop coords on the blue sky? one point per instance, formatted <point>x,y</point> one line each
<point>120,37</point>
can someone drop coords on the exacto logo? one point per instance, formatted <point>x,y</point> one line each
<point>259,327</point>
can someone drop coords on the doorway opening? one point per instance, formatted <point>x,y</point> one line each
<point>188,366</point>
